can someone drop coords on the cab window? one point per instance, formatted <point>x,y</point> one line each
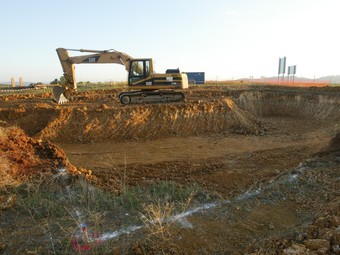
<point>139,70</point>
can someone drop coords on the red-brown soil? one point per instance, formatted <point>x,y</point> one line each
<point>226,139</point>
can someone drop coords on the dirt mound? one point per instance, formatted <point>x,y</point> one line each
<point>23,157</point>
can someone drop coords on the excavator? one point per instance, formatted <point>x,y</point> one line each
<point>145,86</point>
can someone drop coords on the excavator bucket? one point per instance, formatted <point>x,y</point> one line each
<point>59,94</point>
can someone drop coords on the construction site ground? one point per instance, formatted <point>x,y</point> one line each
<point>268,156</point>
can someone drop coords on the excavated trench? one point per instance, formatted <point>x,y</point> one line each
<point>228,141</point>
<point>291,105</point>
<point>220,111</point>
<point>221,138</point>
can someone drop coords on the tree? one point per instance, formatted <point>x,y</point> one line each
<point>61,81</point>
<point>55,81</point>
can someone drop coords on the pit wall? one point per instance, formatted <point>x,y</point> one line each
<point>289,105</point>
<point>224,111</point>
<point>239,113</point>
<point>148,122</point>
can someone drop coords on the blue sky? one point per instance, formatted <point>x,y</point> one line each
<point>224,38</point>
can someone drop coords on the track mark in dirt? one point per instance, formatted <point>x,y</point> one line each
<point>190,148</point>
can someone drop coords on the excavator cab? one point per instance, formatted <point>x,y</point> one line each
<point>139,70</point>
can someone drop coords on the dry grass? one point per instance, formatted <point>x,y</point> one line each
<point>155,219</point>
<point>54,207</point>
<point>159,220</point>
<point>6,179</point>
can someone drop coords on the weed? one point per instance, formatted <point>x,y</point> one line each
<point>129,200</point>
<point>156,219</point>
<point>159,218</point>
<point>6,180</point>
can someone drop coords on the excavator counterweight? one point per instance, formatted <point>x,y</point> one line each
<point>144,84</point>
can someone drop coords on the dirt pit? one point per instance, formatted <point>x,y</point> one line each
<point>227,140</point>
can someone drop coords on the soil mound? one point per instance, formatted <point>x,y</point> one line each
<point>23,157</point>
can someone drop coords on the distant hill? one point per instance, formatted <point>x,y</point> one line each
<point>26,83</point>
<point>331,78</point>
<point>334,79</point>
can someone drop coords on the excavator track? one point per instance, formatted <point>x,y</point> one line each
<point>147,96</point>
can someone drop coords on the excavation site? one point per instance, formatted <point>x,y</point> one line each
<point>232,169</point>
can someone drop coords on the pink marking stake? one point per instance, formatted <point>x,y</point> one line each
<point>86,241</point>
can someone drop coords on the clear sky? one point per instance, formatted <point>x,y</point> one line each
<point>224,38</point>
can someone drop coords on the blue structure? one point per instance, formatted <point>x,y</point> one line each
<point>196,77</point>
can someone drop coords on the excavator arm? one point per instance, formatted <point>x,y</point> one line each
<point>62,93</point>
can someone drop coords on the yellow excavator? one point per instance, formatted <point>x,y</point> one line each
<point>145,86</point>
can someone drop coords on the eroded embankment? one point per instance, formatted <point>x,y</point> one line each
<point>219,111</point>
<point>148,122</point>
